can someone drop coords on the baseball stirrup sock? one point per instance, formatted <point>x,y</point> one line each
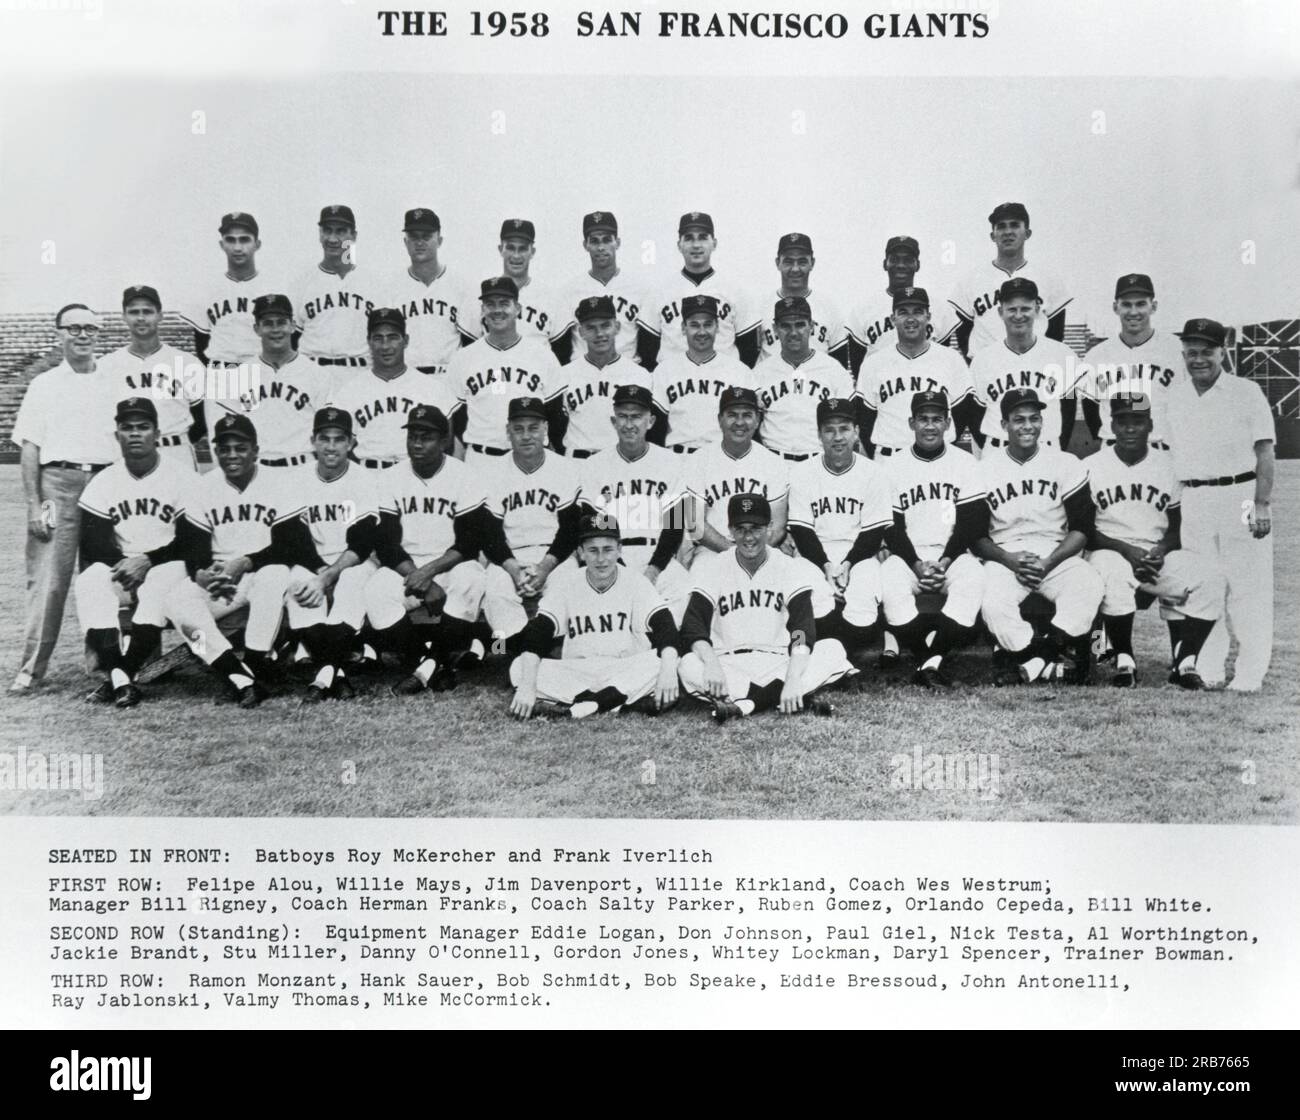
<point>107,647</point>
<point>765,696</point>
<point>911,635</point>
<point>1194,633</point>
<point>1119,630</point>
<point>1177,632</point>
<point>234,670</point>
<point>606,700</point>
<point>144,640</point>
<point>944,637</point>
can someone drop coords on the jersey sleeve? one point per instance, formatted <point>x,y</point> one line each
<point>802,499</point>
<point>554,604</point>
<point>95,498</point>
<point>878,501</point>
<point>867,389</point>
<point>1055,296</point>
<point>645,601</point>
<point>1074,475</point>
<point>29,426</point>
<point>959,299</point>
<point>554,381</point>
<point>1260,417</point>
<point>978,383</point>
<point>704,574</point>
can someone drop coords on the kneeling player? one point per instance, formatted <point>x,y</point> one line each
<point>1135,547</point>
<point>936,498</point>
<point>750,629</point>
<point>620,644</point>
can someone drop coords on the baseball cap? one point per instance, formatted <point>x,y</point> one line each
<point>518,227</point>
<point>599,219</point>
<point>911,295</point>
<point>841,407</point>
<point>498,286</point>
<point>274,304</point>
<point>136,406</point>
<point>385,316</point>
<point>77,315</point>
<point>699,305</point>
<point>737,395</point>
<point>237,219</point>
<point>1018,287</point>
<point>421,218</point>
<point>142,291</point>
<point>337,214</point>
<point>1205,329</point>
<point>597,525</point>
<point>1130,402</point>
<point>902,245</point>
<point>748,509</point>
<point>1134,282</point>
<point>794,243</point>
<point>1015,398</point>
<point>595,307</point>
<point>331,417</point>
<point>929,398</point>
<point>633,394</point>
<point>427,416</point>
<point>791,307</point>
<point>234,424</point>
<point>696,219</point>
<point>1008,211</point>
<point>526,406</point>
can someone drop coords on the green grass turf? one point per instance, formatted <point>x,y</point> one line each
<point>1063,753</point>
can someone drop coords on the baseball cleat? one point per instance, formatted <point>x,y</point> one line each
<point>1125,677</point>
<point>724,710</point>
<point>315,694</point>
<point>1189,679</point>
<point>1007,675</point>
<point>932,678</point>
<point>101,695</point>
<point>443,679</point>
<point>549,709</point>
<point>408,686</point>
<point>342,688</point>
<point>819,706</point>
<point>1035,669</point>
<point>128,696</point>
<point>251,695</point>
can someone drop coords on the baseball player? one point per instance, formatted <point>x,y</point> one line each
<point>335,298</point>
<point>659,327</point>
<point>1036,518</point>
<point>147,366</point>
<point>634,484</point>
<point>1222,440</point>
<point>341,507</point>
<point>380,398</point>
<point>284,388</point>
<point>499,367</point>
<point>688,383</point>
<point>1135,546</point>
<point>543,312</point>
<point>533,498</point>
<point>431,560</point>
<point>871,325</point>
<point>893,374</point>
<point>976,297</point>
<point>750,628</point>
<point>432,303</point>
<point>592,380</point>
<point>1023,360</point>
<point>734,465</point>
<point>937,507</point>
<point>619,639</point>
<point>223,318</point>
<point>1138,360</point>
<point>136,538</point>
<point>792,381</point>
<point>239,506</point>
<point>627,292</point>
<point>795,262</point>
<point>841,506</point>
<point>60,449</point>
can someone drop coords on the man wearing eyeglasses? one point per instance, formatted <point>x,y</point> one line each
<point>65,439</point>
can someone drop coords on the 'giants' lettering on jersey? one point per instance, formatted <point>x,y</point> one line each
<point>599,624</point>
<point>381,406</point>
<point>426,503</point>
<point>241,305</point>
<point>1132,492</point>
<point>724,488</point>
<point>513,375</point>
<point>908,385</point>
<point>533,316</point>
<point>671,312</point>
<point>934,491</point>
<point>1106,378</point>
<point>1025,379</point>
<point>276,391</point>
<point>141,507</point>
<point>578,395</point>
<point>695,386</point>
<point>346,301</point>
<point>428,306</point>
<point>636,487</point>
<point>539,497</point>
<point>795,386</point>
<point>829,504</point>
<point>328,512</point>
<point>764,598</point>
<point>243,512</point>
<point>1023,488</point>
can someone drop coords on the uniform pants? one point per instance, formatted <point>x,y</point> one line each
<point>1214,524</point>
<point>387,602</point>
<point>166,595</point>
<point>827,663</point>
<point>263,593</point>
<point>502,605</point>
<point>346,603</point>
<point>1072,585</point>
<point>862,594</point>
<point>562,679</point>
<point>50,567</point>
<point>963,584</point>
<point>1188,585</point>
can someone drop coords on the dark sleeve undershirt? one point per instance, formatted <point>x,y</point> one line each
<point>972,522</point>
<point>539,635</point>
<point>662,630</point>
<point>98,542</point>
<point>697,623</point>
<point>1080,513</point>
<point>749,347</point>
<point>867,544</point>
<point>670,540</point>
<point>808,544</point>
<point>800,621</point>
<point>388,540</point>
<point>557,421</point>
<point>899,543</point>
<point>362,536</point>
<point>647,348</point>
<point>566,536</point>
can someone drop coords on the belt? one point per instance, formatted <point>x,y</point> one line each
<point>428,369</point>
<point>342,361</point>
<point>578,453</point>
<point>170,441</point>
<point>378,464</point>
<point>1223,480</point>
<point>221,363</point>
<point>995,442</point>
<point>638,540</point>
<point>1158,444</point>
<point>796,458</point>
<point>483,450</point>
<point>291,461</point>
<point>887,450</point>
<point>682,449</point>
<point>64,465</point>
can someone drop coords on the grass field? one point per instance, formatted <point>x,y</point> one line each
<point>1040,753</point>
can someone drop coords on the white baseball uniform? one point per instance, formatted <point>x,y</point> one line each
<point>438,317</point>
<point>871,324</point>
<point>172,379</point>
<point>889,378</point>
<point>1048,367</point>
<point>789,395</point>
<point>1114,368</point>
<point>281,402</point>
<point>486,377</point>
<point>630,294</point>
<point>663,318</point>
<point>331,311</point>
<point>224,313</point>
<point>713,475</point>
<point>829,331</point>
<point>687,392</point>
<point>976,300</point>
<point>379,406</point>
<point>543,313</point>
<point>589,401</point>
<point>1133,505</point>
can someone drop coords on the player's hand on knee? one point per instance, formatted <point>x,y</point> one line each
<point>523,702</point>
<point>308,592</point>
<point>791,699</point>
<point>417,583</point>
<point>666,687</point>
<point>130,572</point>
<point>715,680</point>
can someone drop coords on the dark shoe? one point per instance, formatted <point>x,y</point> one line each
<point>1125,678</point>
<point>549,709</point>
<point>251,695</point>
<point>443,679</point>
<point>1007,675</point>
<point>1189,679</point>
<point>819,706</point>
<point>934,679</point>
<point>315,694</point>
<point>128,696</point>
<point>342,688</point>
<point>409,686</point>
<point>102,695</point>
<point>724,710</point>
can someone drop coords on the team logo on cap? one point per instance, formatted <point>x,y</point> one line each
<point>331,415</point>
<point>517,223</point>
<point>591,303</point>
<point>1200,324</point>
<point>332,210</point>
<point>235,215</point>
<point>417,214</point>
<point>746,505</point>
<point>695,215</point>
<point>598,216</point>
